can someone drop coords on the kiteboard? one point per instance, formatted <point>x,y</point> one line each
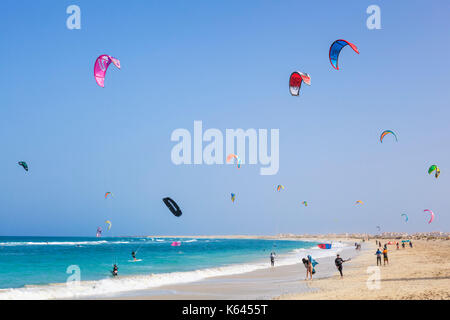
<point>137,260</point>
<point>324,246</point>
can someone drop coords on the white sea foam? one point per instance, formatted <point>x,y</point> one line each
<point>119,285</point>
<point>61,243</point>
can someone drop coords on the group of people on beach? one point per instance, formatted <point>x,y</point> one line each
<point>384,252</point>
<point>310,263</point>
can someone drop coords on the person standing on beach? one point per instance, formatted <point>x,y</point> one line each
<point>398,246</point>
<point>385,256</point>
<point>410,244</point>
<point>378,253</point>
<point>338,262</point>
<point>403,245</point>
<point>272,258</point>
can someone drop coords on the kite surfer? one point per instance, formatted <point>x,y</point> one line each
<point>308,267</point>
<point>338,262</point>
<point>115,270</point>
<point>133,254</point>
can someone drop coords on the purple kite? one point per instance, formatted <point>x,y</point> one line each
<point>101,65</point>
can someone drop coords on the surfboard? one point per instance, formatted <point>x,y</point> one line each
<point>137,260</point>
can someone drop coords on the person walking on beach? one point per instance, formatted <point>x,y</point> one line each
<point>398,247</point>
<point>378,253</point>
<point>410,244</point>
<point>403,245</point>
<point>338,262</point>
<point>272,258</point>
<point>385,257</point>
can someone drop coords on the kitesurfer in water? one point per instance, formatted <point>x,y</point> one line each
<point>338,262</point>
<point>133,254</point>
<point>115,270</point>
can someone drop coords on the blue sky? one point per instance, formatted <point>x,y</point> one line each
<point>227,64</point>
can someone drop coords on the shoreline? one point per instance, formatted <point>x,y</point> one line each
<point>421,272</point>
<point>262,284</point>
<point>418,273</point>
<point>151,283</point>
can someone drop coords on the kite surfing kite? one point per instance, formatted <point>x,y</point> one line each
<point>406,216</point>
<point>379,228</point>
<point>238,160</point>
<point>324,246</point>
<point>99,232</point>
<point>108,194</point>
<point>109,224</point>
<point>176,244</point>
<point>359,201</point>
<point>279,187</point>
<point>431,215</point>
<point>434,168</point>
<point>23,164</point>
<point>386,132</point>
<point>305,203</point>
<point>173,207</point>
<point>101,66</point>
<point>295,82</point>
<point>335,50</point>
<point>233,197</point>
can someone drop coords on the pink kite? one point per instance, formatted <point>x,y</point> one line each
<point>432,215</point>
<point>176,244</point>
<point>101,65</point>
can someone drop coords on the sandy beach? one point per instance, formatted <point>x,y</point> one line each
<point>421,272</point>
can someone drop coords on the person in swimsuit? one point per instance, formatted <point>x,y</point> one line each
<point>309,268</point>
<point>133,254</point>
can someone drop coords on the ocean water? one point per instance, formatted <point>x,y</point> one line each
<point>39,267</point>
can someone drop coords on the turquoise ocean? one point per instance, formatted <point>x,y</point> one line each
<point>48,267</point>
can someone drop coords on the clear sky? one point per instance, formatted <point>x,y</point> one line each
<point>226,63</point>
